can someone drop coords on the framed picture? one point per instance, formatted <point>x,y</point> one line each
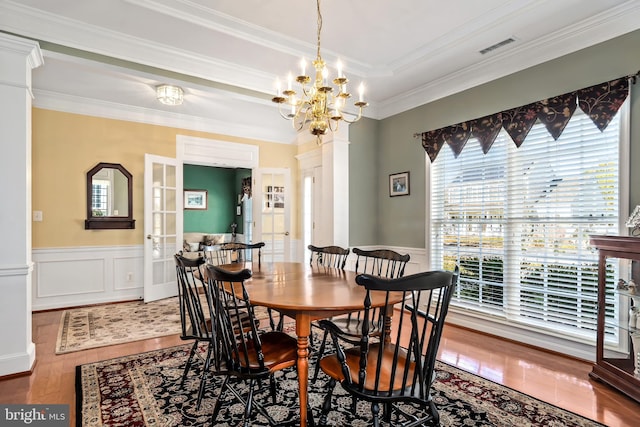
<point>195,199</point>
<point>399,184</point>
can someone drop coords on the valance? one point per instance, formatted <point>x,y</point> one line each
<point>600,102</point>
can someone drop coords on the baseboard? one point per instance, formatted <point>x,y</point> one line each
<point>18,364</point>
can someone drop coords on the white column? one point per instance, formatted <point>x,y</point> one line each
<point>335,187</point>
<point>17,58</point>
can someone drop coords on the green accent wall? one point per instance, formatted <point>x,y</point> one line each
<point>223,186</point>
<point>380,148</point>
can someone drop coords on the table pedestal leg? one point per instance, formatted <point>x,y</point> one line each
<point>303,326</point>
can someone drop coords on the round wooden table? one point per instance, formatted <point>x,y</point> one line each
<point>306,293</point>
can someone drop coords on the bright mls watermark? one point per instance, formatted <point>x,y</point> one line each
<point>34,415</point>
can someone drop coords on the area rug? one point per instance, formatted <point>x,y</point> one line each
<point>109,324</point>
<point>144,390</point>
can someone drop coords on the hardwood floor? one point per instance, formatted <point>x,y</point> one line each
<point>555,379</point>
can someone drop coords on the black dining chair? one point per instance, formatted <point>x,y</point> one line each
<point>249,354</point>
<point>243,252</point>
<point>381,263</point>
<point>194,320</point>
<point>399,367</point>
<point>195,316</point>
<point>329,256</point>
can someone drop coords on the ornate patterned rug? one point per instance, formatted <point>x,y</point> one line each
<point>109,324</point>
<point>144,390</point>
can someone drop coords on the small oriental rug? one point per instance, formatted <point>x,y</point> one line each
<point>108,324</point>
<point>144,390</point>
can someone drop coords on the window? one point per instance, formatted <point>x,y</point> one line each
<point>517,221</point>
<point>100,198</point>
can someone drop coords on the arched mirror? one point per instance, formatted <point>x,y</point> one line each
<point>109,198</point>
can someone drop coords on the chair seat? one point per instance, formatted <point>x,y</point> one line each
<point>331,366</point>
<point>280,350</point>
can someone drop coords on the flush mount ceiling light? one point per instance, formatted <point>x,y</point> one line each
<point>169,94</point>
<point>317,104</point>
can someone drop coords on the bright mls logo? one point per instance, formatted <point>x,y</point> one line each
<point>34,415</point>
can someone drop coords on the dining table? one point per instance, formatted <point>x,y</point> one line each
<point>304,293</point>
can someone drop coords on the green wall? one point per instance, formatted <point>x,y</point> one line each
<point>401,221</point>
<point>223,186</point>
<point>363,179</point>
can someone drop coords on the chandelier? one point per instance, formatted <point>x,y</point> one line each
<point>317,105</point>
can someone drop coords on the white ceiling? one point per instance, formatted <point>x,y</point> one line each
<point>227,54</point>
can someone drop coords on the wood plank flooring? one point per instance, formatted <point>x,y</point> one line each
<point>555,379</point>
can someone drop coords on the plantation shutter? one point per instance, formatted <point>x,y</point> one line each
<point>518,220</point>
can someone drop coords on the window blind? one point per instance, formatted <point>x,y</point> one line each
<point>517,221</point>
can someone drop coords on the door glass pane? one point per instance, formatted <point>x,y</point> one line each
<point>171,199</point>
<point>170,177</point>
<point>170,224</point>
<point>158,272</point>
<point>158,174</point>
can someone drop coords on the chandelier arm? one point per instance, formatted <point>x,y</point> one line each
<point>356,119</point>
<point>284,116</point>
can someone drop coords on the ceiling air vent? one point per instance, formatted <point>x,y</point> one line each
<point>497,45</point>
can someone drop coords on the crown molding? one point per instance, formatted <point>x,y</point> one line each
<point>33,23</point>
<point>613,23</point>
<point>111,110</point>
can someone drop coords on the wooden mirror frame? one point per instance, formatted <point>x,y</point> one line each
<point>109,222</point>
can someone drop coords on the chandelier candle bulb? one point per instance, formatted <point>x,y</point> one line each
<point>361,92</point>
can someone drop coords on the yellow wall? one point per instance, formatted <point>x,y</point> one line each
<point>65,146</point>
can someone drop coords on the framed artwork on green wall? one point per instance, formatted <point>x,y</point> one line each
<point>195,199</point>
<point>399,184</point>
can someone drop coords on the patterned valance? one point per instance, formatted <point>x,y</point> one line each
<point>600,102</point>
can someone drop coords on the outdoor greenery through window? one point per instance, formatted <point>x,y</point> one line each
<point>517,221</point>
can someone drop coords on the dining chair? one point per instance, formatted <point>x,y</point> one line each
<point>251,355</point>
<point>214,254</point>
<point>399,367</point>
<point>384,263</point>
<point>194,320</point>
<point>195,316</point>
<point>243,252</point>
<point>232,252</point>
<point>329,256</point>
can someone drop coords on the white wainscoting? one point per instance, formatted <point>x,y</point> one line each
<point>76,276</point>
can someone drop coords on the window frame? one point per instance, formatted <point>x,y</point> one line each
<point>528,334</point>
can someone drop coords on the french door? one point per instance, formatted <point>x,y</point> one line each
<point>272,212</point>
<point>161,202</point>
